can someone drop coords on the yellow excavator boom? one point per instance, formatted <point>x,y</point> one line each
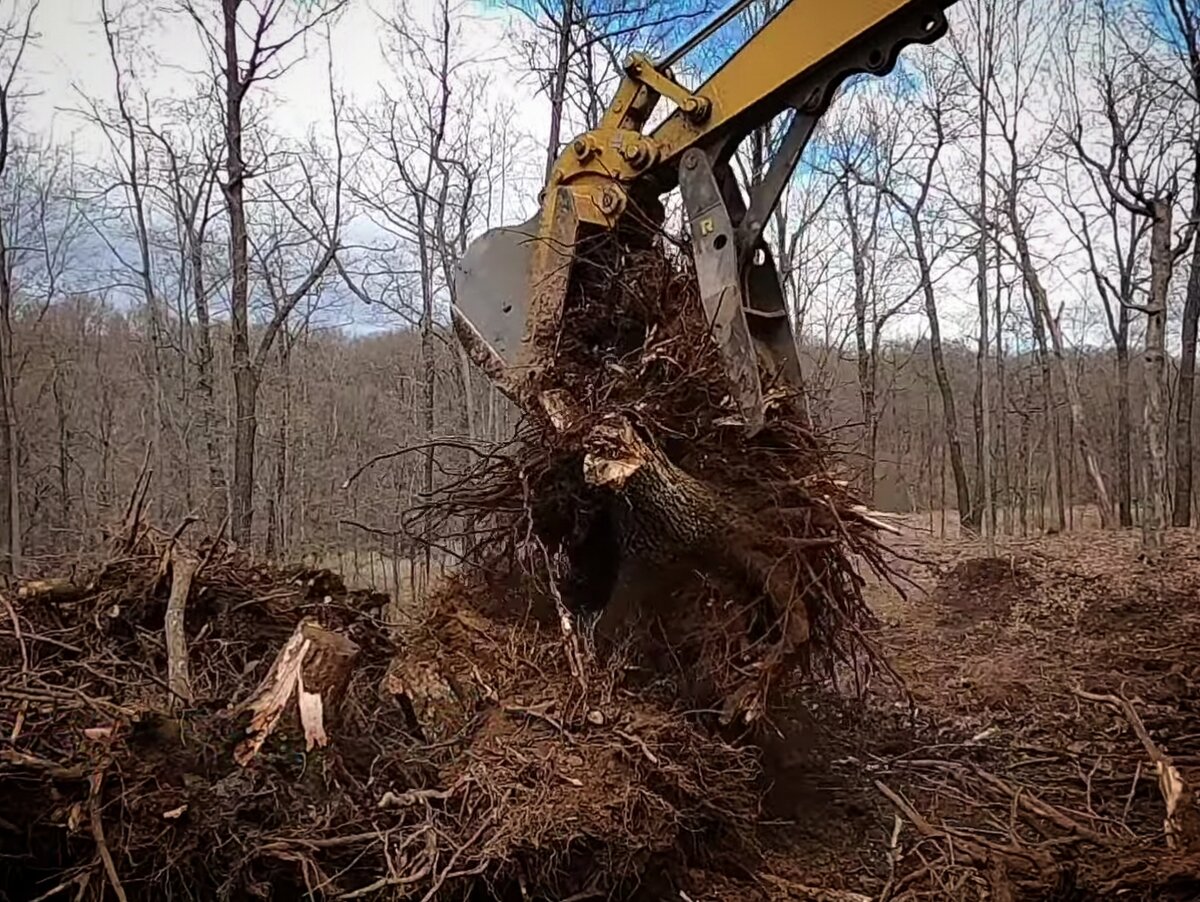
<point>511,283</point>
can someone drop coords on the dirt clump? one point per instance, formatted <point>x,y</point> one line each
<point>980,589</point>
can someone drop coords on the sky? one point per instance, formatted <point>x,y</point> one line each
<point>71,57</point>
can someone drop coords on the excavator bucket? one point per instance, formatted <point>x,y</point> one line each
<point>513,279</point>
<point>510,285</point>
<point>492,285</point>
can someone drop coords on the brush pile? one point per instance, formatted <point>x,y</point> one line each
<point>276,742</point>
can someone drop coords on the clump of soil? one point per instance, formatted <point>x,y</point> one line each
<point>981,589</point>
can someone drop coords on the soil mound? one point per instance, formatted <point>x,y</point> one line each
<point>1061,731</point>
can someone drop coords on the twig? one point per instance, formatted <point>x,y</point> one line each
<point>403,799</point>
<point>371,888</point>
<point>923,826</point>
<point>640,743</point>
<point>436,443</point>
<point>1133,785</point>
<point>437,884</point>
<point>17,632</point>
<point>1182,823</point>
<point>133,512</point>
<point>98,834</point>
<point>182,527</point>
<point>50,768</point>
<point>1031,802</point>
<point>79,880</point>
<point>541,715</point>
<point>212,549</point>
<point>893,856</point>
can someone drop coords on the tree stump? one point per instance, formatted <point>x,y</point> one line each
<point>315,665</point>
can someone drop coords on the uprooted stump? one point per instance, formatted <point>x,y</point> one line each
<point>318,756</point>
<point>633,487</point>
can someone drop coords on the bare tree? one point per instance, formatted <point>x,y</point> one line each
<point>1131,145</point>
<point>420,179</point>
<point>189,149</point>
<point>1010,103</point>
<point>15,34</point>
<point>1112,238</point>
<point>910,190</point>
<point>979,68</point>
<point>270,28</point>
<point>1180,20</point>
<point>865,142</point>
<point>577,49</point>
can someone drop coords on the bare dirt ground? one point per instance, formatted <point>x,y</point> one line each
<point>1010,766</point>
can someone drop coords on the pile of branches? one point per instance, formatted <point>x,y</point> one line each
<point>633,494</point>
<point>183,722</point>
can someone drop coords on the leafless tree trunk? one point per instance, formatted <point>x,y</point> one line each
<point>277,539</point>
<point>558,85</point>
<point>14,38</point>
<point>1139,170</point>
<point>132,168</point>
<point>1155,362</point>
<point>10,496</point>
<point>913,211</point>
<point>1181,514</point>
<point>189,191</point>
<point>1185,19</point>
<point>234,189</point>
<point>237,76</point>
<point>985,50</point>
<point>949,414</point>
<point>1002,405</point>
<point>1041,303</point>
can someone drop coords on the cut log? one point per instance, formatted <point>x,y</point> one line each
<point>53,590</point>
<point>179,681</point>
<point>315,665</point>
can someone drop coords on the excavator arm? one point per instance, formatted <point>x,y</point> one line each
<point>511,283</point>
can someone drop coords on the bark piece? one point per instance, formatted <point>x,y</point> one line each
<point>52,590</point>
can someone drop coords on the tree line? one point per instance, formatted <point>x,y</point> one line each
<point>990,255</point>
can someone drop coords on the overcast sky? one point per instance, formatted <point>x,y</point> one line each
<point>71,56</point>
